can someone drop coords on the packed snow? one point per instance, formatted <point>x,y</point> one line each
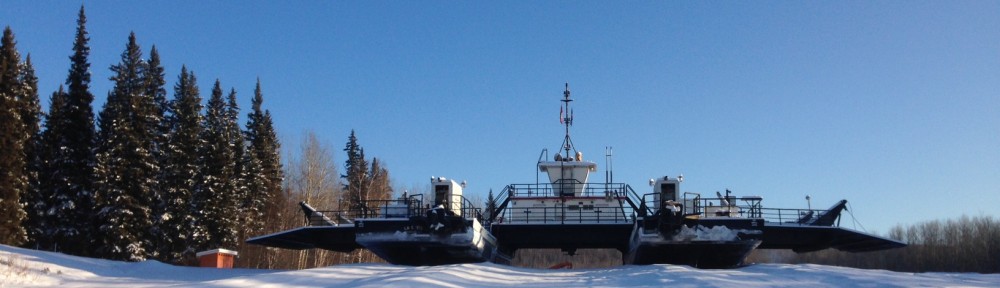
<point>699,233</point>
<point>29,268</point>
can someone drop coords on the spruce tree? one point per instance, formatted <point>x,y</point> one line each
<point>13,181</point>
<point>10,68</point>
<point>241,178</point>
<point>491,205</point>
<point>214,201</point>
<point>154,82</point>
<point>48,207</point>
<point>156,88</point>
<point>181,168</point>
<point>69,175</point>
<point>363,181</point>
<point>256,201</point>
<point>258,204</point>
<point>356,174</point>
<point>127,168</point>
<point>266,149</point>
<point>31,114</point>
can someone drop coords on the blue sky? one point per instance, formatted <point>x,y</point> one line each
<point>889,104</point>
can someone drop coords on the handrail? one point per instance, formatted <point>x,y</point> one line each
<point>562,212</point>
<point>541,156</point>
<point>634,196</point>
<point>502,200</point>
<point>395,208</point>
<point>470,210</point>
<point>805,217</point>
<point>745,207</point>
<point>548,190</point>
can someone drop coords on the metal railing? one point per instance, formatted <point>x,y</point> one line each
<point>384,209</point>
<point>563,211</point>
<point>469,210</point>
<point>548,189</point>
<point>738,207</point>
<point>326,218</point>
<point>794,216</point>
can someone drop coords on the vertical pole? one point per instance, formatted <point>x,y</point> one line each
<point>607,167</point>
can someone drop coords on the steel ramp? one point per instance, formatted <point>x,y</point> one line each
<point>334,238</point>
<point>805,238</point>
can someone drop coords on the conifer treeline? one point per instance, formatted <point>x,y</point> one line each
<point>157,179</point>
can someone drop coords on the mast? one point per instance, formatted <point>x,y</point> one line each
<point>568,173</point>
<point>567,120</point>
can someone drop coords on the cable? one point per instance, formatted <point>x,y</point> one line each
<point>855,219</point>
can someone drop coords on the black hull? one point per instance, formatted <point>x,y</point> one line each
<point>423,249</point>
<point>699,254</point>
<point>805,238</point>
<point>700,243</point>
<point>568,237</point>
<point>421,253</point>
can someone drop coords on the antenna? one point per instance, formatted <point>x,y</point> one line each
<point>609,174</point>
<point>567,120</point>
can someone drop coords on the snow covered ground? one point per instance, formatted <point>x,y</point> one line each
<point>30,268</point>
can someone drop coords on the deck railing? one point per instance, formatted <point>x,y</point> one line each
<point>794,216</point>
<point>404,208</point>
<point>548,189</point>
<point>562,213</point>
<point>558,211</point>
<point>741,207</point>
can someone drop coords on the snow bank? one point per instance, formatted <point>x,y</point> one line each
<point>54,269</point>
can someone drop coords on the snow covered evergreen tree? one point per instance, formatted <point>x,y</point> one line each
<point>255,201</point>
<point>214,201</point>
<point>156,87</point>
<point>154,82</point>
<point>127,168</point>
<point>13,181</point>
<point>181,168</point>
<point>69,174</point>
<point>31,114</point>
<point>43,207</point>
<point>265,148</point>
<point>241,178</point>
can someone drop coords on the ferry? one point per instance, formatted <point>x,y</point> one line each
<point>570,212</point>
